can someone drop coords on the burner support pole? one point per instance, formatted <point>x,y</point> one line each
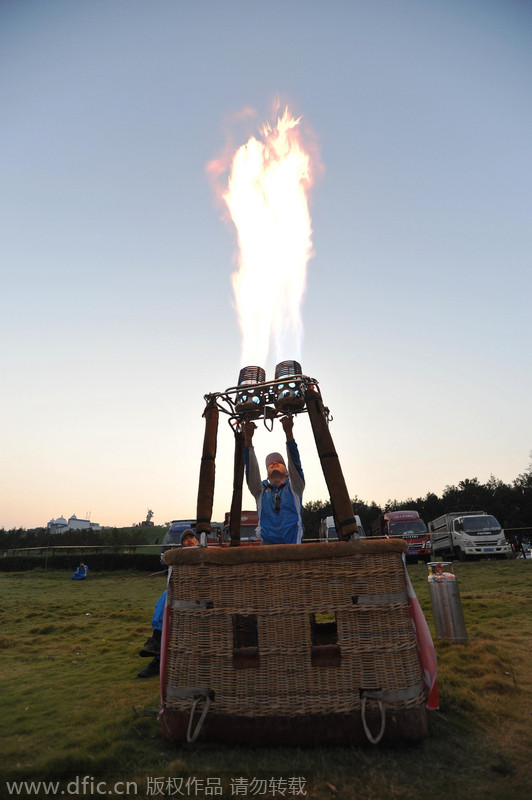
<point>207,469</point>
<point>330,464</point>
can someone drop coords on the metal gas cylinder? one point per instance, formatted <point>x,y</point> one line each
<point>446,603</point>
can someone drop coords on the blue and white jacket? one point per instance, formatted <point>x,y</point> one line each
<point>278,507</point>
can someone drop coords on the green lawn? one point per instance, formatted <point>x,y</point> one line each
<point>72,705</point>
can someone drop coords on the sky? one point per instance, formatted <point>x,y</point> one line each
<point>116,308</point>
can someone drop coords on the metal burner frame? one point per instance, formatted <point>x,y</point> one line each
<point>227,401</point>
<point>319,415</point>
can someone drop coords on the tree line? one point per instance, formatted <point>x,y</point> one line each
<point>511,503</point>
<point>107,537</point>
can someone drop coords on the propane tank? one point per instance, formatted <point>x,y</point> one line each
<point>446,604</point>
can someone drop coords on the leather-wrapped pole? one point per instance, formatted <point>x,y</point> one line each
<point>330,464</point>
<point>238,480</point>
<point>207,468</point>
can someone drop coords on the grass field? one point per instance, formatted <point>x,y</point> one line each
<point>72,705</point>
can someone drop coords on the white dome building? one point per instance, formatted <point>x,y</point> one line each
<point>60,525</point>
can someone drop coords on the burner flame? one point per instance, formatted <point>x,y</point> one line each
<point>267,198</point>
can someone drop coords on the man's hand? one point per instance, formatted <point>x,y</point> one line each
<point>288,425</point>
<point>249,430</point>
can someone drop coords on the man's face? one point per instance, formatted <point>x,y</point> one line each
<point>190,541</point>
<point>277,472</point>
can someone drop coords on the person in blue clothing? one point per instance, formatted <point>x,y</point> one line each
<point>279,498</point>
<point>80,572</point>
<point>152,646</point>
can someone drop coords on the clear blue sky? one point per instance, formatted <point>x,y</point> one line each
<point>116,301</point>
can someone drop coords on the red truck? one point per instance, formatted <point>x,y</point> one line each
<point>249,521</point>
<point>406,525</point>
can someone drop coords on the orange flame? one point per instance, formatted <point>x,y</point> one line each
<point>267,197</point>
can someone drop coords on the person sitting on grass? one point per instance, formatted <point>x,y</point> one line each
<point>81,572</point>
<point>152,646</point>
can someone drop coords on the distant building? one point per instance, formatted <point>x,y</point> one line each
<point>60,525</point>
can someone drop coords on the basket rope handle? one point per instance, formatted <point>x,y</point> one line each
<point>373,739</point>
<point>205,698</point>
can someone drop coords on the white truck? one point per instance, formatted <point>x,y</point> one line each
<point>468,534</point>
<point>328,529</point>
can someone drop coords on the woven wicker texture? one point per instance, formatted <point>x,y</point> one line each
<point>302,629</point>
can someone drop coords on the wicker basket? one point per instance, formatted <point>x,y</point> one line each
<point>294,644</point>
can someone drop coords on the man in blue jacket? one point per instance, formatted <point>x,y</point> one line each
<point>280,497</point>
